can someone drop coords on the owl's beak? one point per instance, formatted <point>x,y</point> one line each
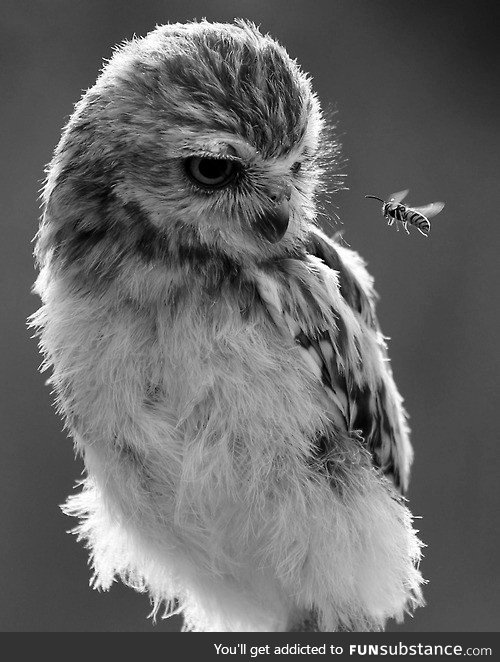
<point>273,223</point>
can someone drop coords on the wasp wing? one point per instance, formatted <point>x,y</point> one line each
<point>429,210</point>
<point>398,197</point>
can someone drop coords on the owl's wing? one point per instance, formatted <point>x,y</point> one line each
<point>374,406</point>
<point>347,352</point>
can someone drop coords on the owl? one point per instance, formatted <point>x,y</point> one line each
<point>214,355</point>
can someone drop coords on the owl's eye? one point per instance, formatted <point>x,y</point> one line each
<point>295,169</point>
<point>211,173</point>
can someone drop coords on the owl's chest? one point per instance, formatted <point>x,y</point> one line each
<point>218,360</point>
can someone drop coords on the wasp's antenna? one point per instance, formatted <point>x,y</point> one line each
<point>374,197</point>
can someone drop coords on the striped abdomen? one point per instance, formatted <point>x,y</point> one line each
<point>418,220</point>
<point>406,216</point>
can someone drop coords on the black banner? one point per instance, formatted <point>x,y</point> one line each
<point>262,647</point>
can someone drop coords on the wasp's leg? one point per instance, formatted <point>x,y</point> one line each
<point>405,225</point>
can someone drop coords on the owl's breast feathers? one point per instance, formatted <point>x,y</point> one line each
<point>326,304</point>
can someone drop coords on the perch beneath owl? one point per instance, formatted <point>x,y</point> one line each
<point>216,357</point>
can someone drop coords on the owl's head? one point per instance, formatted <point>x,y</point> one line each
<point>197,138</point>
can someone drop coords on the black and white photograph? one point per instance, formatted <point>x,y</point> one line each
<point>250,317</point>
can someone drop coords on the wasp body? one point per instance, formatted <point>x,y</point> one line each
<point>417,216</point>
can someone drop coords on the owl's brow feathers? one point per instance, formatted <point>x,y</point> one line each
<point>233,79</point>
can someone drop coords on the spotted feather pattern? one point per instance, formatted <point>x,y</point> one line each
<point>327,304</point>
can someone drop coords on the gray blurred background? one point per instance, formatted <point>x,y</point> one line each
<point>416,89</point>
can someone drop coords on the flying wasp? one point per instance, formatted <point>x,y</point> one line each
<point>417,216</point>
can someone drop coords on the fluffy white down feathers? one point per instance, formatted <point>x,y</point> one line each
<point>231,395</point>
